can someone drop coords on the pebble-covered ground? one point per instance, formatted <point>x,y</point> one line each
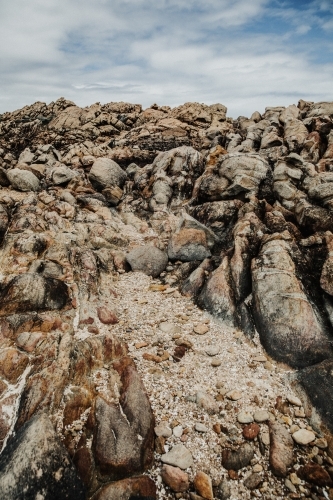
<point>198,399</point>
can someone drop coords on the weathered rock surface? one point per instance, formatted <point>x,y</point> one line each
<point>236,214</point>
<point>35,464</point>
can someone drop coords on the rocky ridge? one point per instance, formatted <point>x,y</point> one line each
<point>235,216</point>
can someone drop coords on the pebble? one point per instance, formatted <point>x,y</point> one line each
<point>203,485</point>
<point>293,400</point>
<point>201,329</point>
<point>207,402</point>
<point>321,443</point>
<point>212,350</point>
<point>299,412</point>
<point>253,481</point>
<point>216,362</point>
<point>237,459</point>
<point>257,468</point>
<point>179,456</point>
<point>303,437</point>
<point>281,449</point>
<point>175,478</point>
<point>200,427</point>
<point>290,485</point>
<point>259,359</point>
<point>251,431</point>
<point>261,416</point>
<point>265,438</point>
<point>245,417</point>
<point>234,395</point>
<point>177,431</point>
<point>163,430</point>
<point>139,345</point>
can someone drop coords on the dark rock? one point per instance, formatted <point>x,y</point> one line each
<point>253,481</point>
<point>148,259</point>
<point>141,487</point>
<point>315,474</point>
<point>32,292</point>
<point>251,431</point>
<point>237,459</point>
<point>187,245</point>
<point>35,464</point>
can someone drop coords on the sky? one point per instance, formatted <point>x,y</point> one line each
<point>245,54</point>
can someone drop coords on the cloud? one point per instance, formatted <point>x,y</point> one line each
<point>247,55</point>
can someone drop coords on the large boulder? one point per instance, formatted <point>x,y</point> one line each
<point>289,325</point>
<point>217,295</point>
<point>148,259</point>
<point>35,464</point>
<point>32,292</point>
<point>23,180</point>
<point>106,173</point>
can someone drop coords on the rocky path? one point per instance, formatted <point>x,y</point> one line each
<point>209,387</point>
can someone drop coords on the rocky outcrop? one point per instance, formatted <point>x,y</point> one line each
<point>236,213</point>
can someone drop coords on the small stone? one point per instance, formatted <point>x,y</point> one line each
<point>244,417</point>
<point>294,428</point>
<point>261,416</point>
<point>216,362</point>
<point>299,412</point>
<point>265,438</point>
<point>223,490</point>
<point>206,402</point>
<point>212,350</point>
<point>175,478</point>
<point>257,468</point>
<point>321,443</point>
<point>233,474</point>
<point>234,395</point>
<point>217,428</point>
<point>315,474</point>
<point>260,359</point>
<point>237,459</point>
<point>177,431</point>
<point>293,400</point>
<point>139,345</point>
<point>294,479</point>
<point>169,328</point>
<point>269,366</point>
<point>152,357</point>
<point>160,445</point>
<point>201,329</point>
<point>303,437</point>
<point>203,485</point>
<point>290,485</point>
<point>106,316</point>
<point>253,481</point>
<point>163,430</point>
<point>200,427</point>
<point>251,431</point>
<point>179,456</point>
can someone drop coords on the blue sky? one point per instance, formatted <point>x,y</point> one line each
<point>245,54</point>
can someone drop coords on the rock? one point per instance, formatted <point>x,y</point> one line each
<point>200,427</point>
<point>317,380</point>
<point>315,474</point>
<point>279,298</point>
<point>251,431</point>
<point>106,173</point>
<point>217,295</point>
<point>62,175</point>
<point>303,436</point>
<point>106,316</point>
<point>203,485</point>
<point>179,456</point>
<point>293,400</point>
<point>201,329</point>
<point>223,490</point>
<point>177,431</point>
<point>244,417</point>
<point>281,449</point>
<point>212,350</point>
<point>23,180</point>
<point>32,292</point>
<point>234,395</point>
<point>253,481</point>
<point>163,430</point>
<point>136,487</point>
<point>237,459</point>
<point>148,259</point>
<point>175,478</point>
<point>206,402</point>
<point>188,245</point>
<point>52,476</point>
<point>261,416</point>
<point>12,364</point>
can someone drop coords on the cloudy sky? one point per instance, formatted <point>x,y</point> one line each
<point>246,54</point>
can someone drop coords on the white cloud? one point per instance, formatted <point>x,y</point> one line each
<point>170,51</point>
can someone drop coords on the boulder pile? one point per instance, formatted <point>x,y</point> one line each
<point>235,213</point>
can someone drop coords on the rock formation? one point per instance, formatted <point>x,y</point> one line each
<point>237,213</point>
